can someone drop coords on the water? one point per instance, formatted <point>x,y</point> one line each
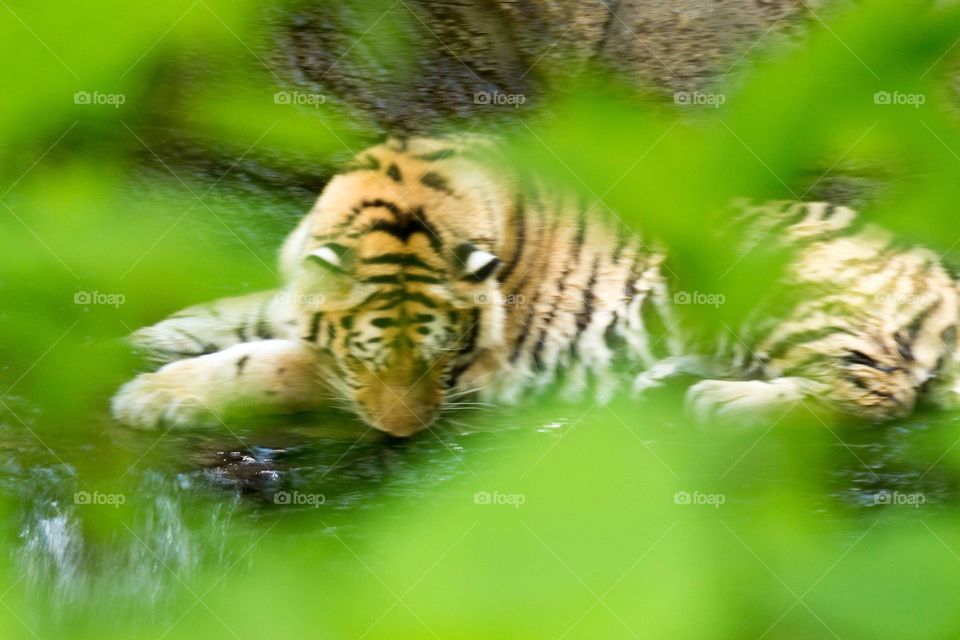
<point>190,500</point>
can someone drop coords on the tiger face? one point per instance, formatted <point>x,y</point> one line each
<point>392,289</point>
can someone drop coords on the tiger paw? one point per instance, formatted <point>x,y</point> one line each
<point>150,401</point>
<point>748,402</point>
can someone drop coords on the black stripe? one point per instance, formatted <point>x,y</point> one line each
<point>407,226</point>
<point>583,316</point>
<point>435,156</point>
<point>904,346</point>
<point>262,327</point>
<point>393,172</point>
<point>402,259</point>
<point>436,182</point>
<point>474,331</point>
<point>421,218</point>
<point>467,350</point>
<point>392,207</point>
<point>630,287</point>
<point>581,231</point>
<point>382,279</point>
<point>403,231</point>
<point>860,358</point>
<point>205,347</point>
<point>521,230</point>
<point>538,365</point>
<point>399,278</point>
<point>314,327</point>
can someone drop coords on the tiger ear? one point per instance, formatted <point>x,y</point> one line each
<point>330,256</point>
<point>475,264</point>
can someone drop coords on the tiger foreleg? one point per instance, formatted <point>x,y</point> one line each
<point>269,376</point>
<point>208,328</point>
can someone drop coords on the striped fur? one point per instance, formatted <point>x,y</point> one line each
<point>425,275</point>
<point>859,323</point>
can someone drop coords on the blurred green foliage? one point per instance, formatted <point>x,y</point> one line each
<point>601,546</point>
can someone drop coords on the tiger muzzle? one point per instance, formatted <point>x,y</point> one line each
<point>403,398</point>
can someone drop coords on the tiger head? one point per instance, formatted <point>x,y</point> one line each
<point>394,277</point>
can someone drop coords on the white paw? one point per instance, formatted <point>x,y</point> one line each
<point>150,401</point>
<point>746,401</point>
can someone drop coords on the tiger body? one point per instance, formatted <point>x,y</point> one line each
<point>425,275</point>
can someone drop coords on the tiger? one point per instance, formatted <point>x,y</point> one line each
<point>427,277</point>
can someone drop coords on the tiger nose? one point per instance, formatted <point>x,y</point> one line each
<point>402,399</point>
<point>402,422</point>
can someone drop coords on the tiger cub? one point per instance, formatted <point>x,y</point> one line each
<point>425,276</point>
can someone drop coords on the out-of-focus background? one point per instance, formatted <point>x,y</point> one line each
<point>155,156</point>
